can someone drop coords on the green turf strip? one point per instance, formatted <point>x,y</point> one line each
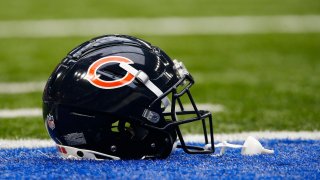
<point>14,101</point>
<point>32,59</point>
<point>264,56</point>
<point>38,9</point>
<point>22,128</point>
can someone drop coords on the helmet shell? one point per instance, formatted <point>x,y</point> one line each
<point>77,113</point>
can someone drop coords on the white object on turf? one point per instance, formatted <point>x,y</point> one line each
<point>250,147</point>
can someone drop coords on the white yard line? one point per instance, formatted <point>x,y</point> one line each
<point>37,112</point>
<point>21,87</point>
<point>23,112</point>
<point>260,135</point>
<point>306,135</point>
<point>25,143</point>
<point>161,26</point>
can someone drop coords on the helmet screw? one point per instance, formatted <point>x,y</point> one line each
<point>153,145</point>
<point>113,148</point>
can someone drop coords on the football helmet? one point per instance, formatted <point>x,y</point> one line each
<point>119,97</point>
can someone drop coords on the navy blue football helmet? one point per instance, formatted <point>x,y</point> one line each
<point>115,97</point>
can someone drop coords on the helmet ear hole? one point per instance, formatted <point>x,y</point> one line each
<point>128,129</point>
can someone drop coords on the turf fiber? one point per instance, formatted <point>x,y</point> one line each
<point>293,159</point>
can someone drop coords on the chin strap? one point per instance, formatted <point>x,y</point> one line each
<point>144,78</point>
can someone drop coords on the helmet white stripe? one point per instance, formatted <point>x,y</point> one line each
<point>144,78</point>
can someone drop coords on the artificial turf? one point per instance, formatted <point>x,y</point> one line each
<point>293,159</point>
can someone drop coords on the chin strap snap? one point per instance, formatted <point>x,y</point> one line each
<point>144,78</point>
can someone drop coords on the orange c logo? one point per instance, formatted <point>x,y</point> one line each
<point>95,80</point>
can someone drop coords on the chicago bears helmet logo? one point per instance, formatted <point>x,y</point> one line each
<point>95,80</point>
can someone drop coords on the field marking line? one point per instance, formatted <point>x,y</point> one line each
<point>304,135</point>
<point>21,87</point>
<point>23,112</point>
<point>37,112</point>
<point>161,26</point>
<point>314,135</point>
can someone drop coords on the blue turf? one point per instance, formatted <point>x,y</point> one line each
<point>292,159</point>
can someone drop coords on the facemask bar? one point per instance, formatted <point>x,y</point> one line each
<point>201,115</point>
